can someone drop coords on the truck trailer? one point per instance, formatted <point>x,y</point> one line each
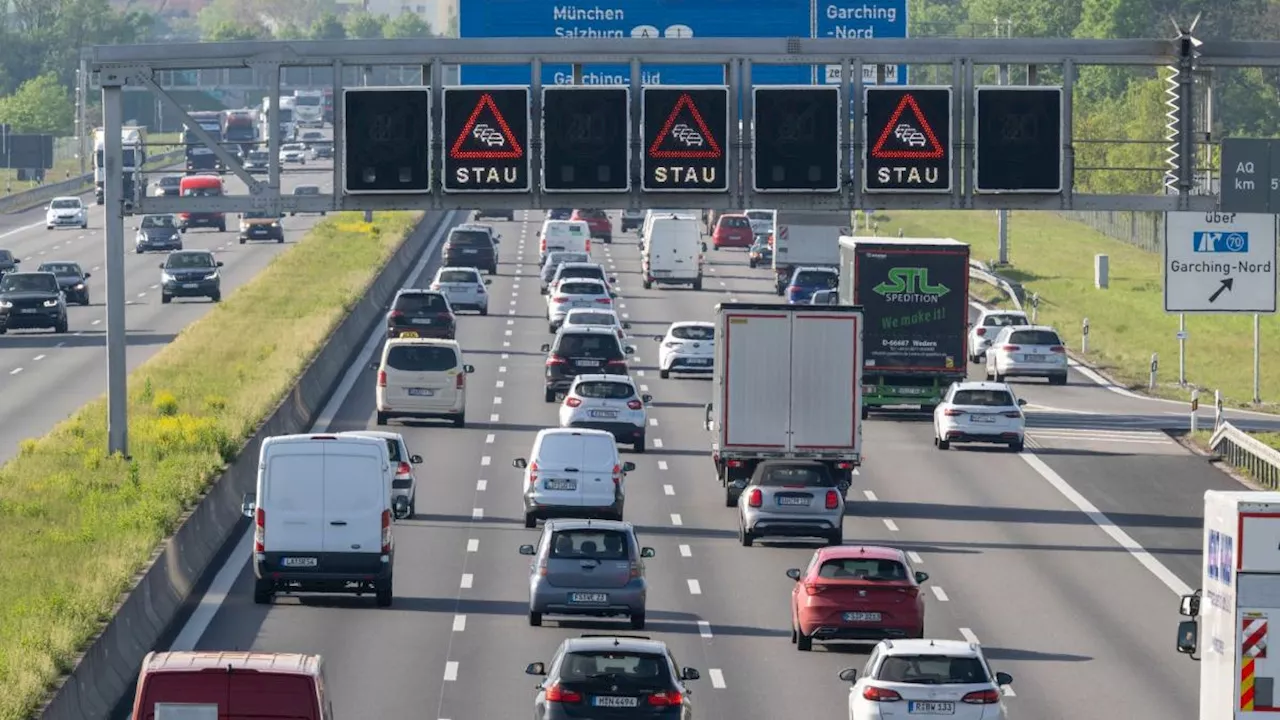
<point>805,239</point>
<point>785,386</point>
<point>915,294</point>
<point>198,156</point>
<point>134,140</point>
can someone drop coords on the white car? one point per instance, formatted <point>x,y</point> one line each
<point>590,317</point>
<point>688,347</point>
<point>987,326</point>
<point>607,402</point>
<point>293,153</point>
<point>1027,351</point>
<point>421,378</point>
<point>404,483</point>
<point>575,293</point>
<point>980,412</point>
<point>66,212</point>
<point>464,287</point>
<point>931,677</point>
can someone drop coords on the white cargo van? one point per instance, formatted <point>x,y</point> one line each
<point>651,215</point>
<point>322,517</point>
<point>573,473</point>
<point>563,235</point>
<point>673,252</point>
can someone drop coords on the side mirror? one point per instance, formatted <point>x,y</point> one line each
<point>88,275</point>
<point>400,507</point>
<point>849,675</point>
<point>658,338</point>
<point>646,399</point>
<point>535,669</point>
<point>613,279</point>
<point>415,459</point>
<point>1188,637</point>
<point>626,325</point>
<point>488,281</point>
<point>537,233</point>
<point>1022,402</point>
<point>373,364</point>
<point>249,505</point>
<point>704,247</point>
<point>647,552</point>
<point>1189,606</point>
<point>546,347</point>
<point>630,350</point>
<point>219,263</point>
<point>690,674</point>
<point>161,265</point>
<point>922,577</point>
<point>519,463</point>
<point>468,369</point>
<point>1003,678</point>
<point>794,574</point>
<point>628,467</point>
<point>527,550</point>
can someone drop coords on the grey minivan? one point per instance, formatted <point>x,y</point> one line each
<point>587,567</point>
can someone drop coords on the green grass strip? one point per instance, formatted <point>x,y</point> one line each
<point>76,525</point>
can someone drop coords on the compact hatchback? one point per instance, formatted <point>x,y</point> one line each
<point>587,567</point>
<point>732,231</point>
<point>157,232</point>
<point>856,592</point>
<point>416,313</point>
<point>419,378</point>
<point>554,261</point>
<point>464,287</point>
<point>980,412</point>
<point>599,222</point>
<point>590,350</point>
<point>66,212</point>
<point>404,484</point>
<point>807,280</point>
<point>573,473</point>
<point>933,677</point>
<point>791,498</point>
<point>575,293</point>
<point>607,402</point>
<point>614,678</point>
<point>688,347</point>
<point>1027,351</point>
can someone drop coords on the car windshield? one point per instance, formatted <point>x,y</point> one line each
<point>615,667</point>
<point>581,288</point>
<point>606,390</point>
<point>259,156</point>
<point>595,345</point>
<point>559,214</point>
<point>292,147</point>
<point>817,278</point>
<point>202,192</point>
<point>421,302</point>
<point>158,221</point>
<point>189,260</point>
<point>1034,337</point>
<point>736,221</point>
<point>983,398</point>
<point>1004,320</point>
<point>65,204</point>
<point>29,282</point>
<point>932,670</point>
<point>469,238</point>
<point>589,543</point>
<point>693,332</point>
<point>794,476</point>
<point>421,358</point>
<point>458,276</point>
<point>591,318</point>
<point>61,268</point>
<point>6,256</point>
<point>862,569</point>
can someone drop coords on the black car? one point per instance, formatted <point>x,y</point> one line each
<point>322,150</point>
<point>32,300</point>
<point>8,263</point>
<point>168,186</point>
<point>190,273</point>
<point>617,676</point>
<point>559,213</point>
<point>471,246</point>
<point>508,215</point>
<point>71,278</point>
<point>584,350</point>
<point>157,232</point>
<point>421,314</point>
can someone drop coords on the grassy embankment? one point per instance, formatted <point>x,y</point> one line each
<point>76,526</point>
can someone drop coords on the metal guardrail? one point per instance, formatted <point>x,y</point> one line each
<point>39,195</point>
<point>979,270</point>
<point>1243,451</point>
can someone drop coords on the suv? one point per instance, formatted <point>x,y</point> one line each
<point>617,672</point>
<point>190,273</point>
<point>32,300</point>
<point>582,351</point>
<point>471,245</point>
<point>599,222</point>
<point>954,669</point>
<point>587,567</point>
<point>1027,351</point>
<point>416,313</point>
<point>983,331</point>
<point>508,215</point>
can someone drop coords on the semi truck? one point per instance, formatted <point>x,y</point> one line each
<point>287,129</point>
<point>239,130</point>
<point>915,294</point>
<point>1231,611</point>
<point>308,108</point>
<point>134,140</point>
<point>785,385</point>
<point>803,239</point>
<point>199,157</point>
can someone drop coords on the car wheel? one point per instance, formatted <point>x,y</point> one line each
<point>242,241</point>
<point>744,535</point>
<point>84,299</point>
<point>997,376</point>
<point>530,521</point>
<point>460,420</point>
<point>413,506</point>
<point>84,226</point>
<point>551,328</point>
<point>263,591</point>
<point>550,395</point>
<point>164,299</point>
<point>730,497</point>
<point>535,619</point>
<point>484,311</point>
<point>866,412</point>
<point>384,593</point>
<point>182,230</point>
<point>381,418</point>
<point>664,374</point>
<point>751,264</point>
<point>646,283</point>
<point>216,297</point>
<point>1017,446</point>
<point>637,621</point>
<point>638,445</point>
<point>138,250</point>
<point>697,284</point>
<point>1058,379</point>
<point>222,227</point>
<point>61,327</point>
<point>3,330</point>
<point>804,643</point>
<point>280,239</point>
<point>794,634</point>
<point>940,443</point>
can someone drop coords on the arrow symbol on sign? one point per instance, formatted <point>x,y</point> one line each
<point>1226,285</point>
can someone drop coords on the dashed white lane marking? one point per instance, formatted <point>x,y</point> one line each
<point>459,623</point>
<point>704,628</point>
<point>914,557</point>
<point>669,489</point>
<point>686,551</point>
<point>676,519</point>
<point>968,635</point>
<point>467,580</point>
<point>502,368</point>
<point>653,422</point>
<point>451,671</point>
<point>15,371</point>
<point>511,312</point>
<point>95,322</point>
<point>939,593</point>
<point>477,513</point>
<point>493,418</point>
<point>511,322</point>
<point>657,442</point>
<point>694,587</point>
<point>482,485</point>
<point>639,373</point>
<point>717,678</point>
<point>473,545</point>
<point>893,526</point>
<point>505,356</point>
<point>645,388</point>
<point>870,495</point>
<point>154,287</point>
<point>61,344</point>
<point>497,400</point>
<point>142,294</point>
<point>505,343</point>
<point>485,460</point>
<point>38,358</point>
<point>507,333</point>
<point>500,384</point>
<point>662,464</point>
<point>488,439</point>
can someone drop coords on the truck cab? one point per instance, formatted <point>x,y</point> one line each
<point>201,186</point>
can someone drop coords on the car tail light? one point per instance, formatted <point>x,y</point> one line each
<point>435,286</point>
<point>572,402</point>
<point>980,332</point>
<point>460,380</point>
<point>814,588</point>
<point>1010,348</point>
<point>833,500</point>
<point>635,570</point>
<point>756,498</point>
<point>666,699</point>
<point>533,474</point>
<point>557,694</point>
<point>982,697</point>
<point>404,468</point>
<point>877,694</point>
<point>588,244</point>
<point>617,364</point>
<point>793,289</point>
<point>382,378</point>
<point>542,246</point>
<point>555,360</point>
<point>951,412</point>
<point>734,463</point>
<point>1057,349</point>
<point>844,466</point>
<point>1012,414</point>
<point>635,405</point>
<point>617,474</point>
<point>260,531</point>
<point>395,314</point>
<point>386,532</point>
<point>605,301</point>
<point>560,300</point>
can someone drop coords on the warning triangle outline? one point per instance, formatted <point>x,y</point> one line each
<point>712,153</point>
<point>937,153</point>
<point>515,152</point>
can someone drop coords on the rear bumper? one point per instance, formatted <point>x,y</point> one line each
<point>684,364</point>
<point>573,512</point>
<point>334,572</point>
<point>1015,369</point>
<point>622,432</point>
<point>858,631</point>
<point>732,242</point>
<point>622,600</point>
<point>780,525</point>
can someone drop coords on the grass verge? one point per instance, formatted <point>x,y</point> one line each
<point>75,526</point>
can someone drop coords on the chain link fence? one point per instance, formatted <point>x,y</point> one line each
<point>1144,230</point>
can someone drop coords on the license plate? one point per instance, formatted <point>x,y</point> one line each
<point>468,252</point>
<point>929,707</point>
<point>299,562</point>
<point>29,311</point>
<point>982,418</point>
<point>421,392</point>
<point>588,598</point>
<point>190,286</point>
<point>1035,358</point>
<point>861,617</point>
<point>615,701</point>
<point>588,363</point>
<point>562,484</point>
<point>698,361</point>
<point>422,321</point>
<point>408,334</point>
<point>604,414</point>
<point>656,273</point>
<point>793,501</point>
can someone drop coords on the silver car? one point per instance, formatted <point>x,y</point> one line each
<point>554,260</point>
<point>983,331</point>
<point>587,567</point>
<point>791,498</point>
<point>405,481</point>
<point>464,287</point>
<point>1028,351</point>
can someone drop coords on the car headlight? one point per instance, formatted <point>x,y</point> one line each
<point>175,237</point>
<point>79,286</point>
<point>275,224</point>
<point>51,303</point>
<point>5,304</point>
<point>212,276</point>
<point>166,277</point>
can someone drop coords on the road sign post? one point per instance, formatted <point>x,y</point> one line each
<point>486,135</point>
<point>685,132</point>
<point>1195,407</point>
<point>796,134</point>
<point>1018,138</point>
<point>1219,263</point>
<point>586,139</point>
<point>907,140</point>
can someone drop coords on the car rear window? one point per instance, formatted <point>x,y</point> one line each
<point>590,544</point>
<point>984,398</point>
<point>606,390</point>
<point>393,450</point>
<point>594,345</point>
<point>6,256</point>
<point>802,475</point>
<point>810,278</point>
<point>581,288</point>
<point>458,276</point>
<point>622,668</point>
<point>592,318</point>
<point>862,569</point>
<point>421,302</point>
<point>1034,337</point>
<point>422,358</point>
<point>469,238</point>
<point>1004,320</point>
<point>592,214</point>
<point>581,272</point>
<point>932,670</point>
<point>693,332</point>
<point>735,222</point>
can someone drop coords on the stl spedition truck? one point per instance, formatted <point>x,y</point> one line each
<point>1238,595</point>
<point>785,386</point>
<point>915,294</point>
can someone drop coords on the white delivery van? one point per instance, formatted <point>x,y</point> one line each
<point>573,473</point>
<point>322,517</point>
<point>651,215</point>
<point>673,252</point>
<point>563,235</point>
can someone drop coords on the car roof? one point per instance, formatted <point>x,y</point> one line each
<point>1003,311</point>
<point>437,342</point>
<point>59,262</point>
<point>848,552</point>
<point>1048,328</point>
<point>982,385</point>
<point>817,268</point>
<point>926,646</point>
<point>604,377</point>
<point>192,251</point>
<point>581,263</point>
<point>291,663</point>
<point>476,270</point>
<point>418,291</point>
<point>385,435</point>
<point>583,524</point>
<point>605,643</point>
<point>65,197</point>
<point>473,226</point>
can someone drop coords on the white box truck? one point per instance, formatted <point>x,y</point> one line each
<point>1239,592</point>
<point>787,383</point>
<point>806,239</point>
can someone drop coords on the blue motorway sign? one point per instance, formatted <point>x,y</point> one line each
<point>862,19</point>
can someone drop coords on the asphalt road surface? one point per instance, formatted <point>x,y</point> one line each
<point>1079,607</point>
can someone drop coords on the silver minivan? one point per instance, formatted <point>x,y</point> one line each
<point>587,567</point>
<point>573,473</point>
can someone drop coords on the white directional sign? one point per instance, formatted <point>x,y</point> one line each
<point>1219,262</point>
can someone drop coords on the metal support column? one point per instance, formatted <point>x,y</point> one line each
<point>636,121</point>
<point>851,97</point>
<point>433,77</point>
<point>958,123</point>
<point>734,162</point>
<point>113,206</point>
<point>969,139</point>
<point>535,122</point>
<point>339,146</point>
<point>1257,358</point>
<point>1068,127</point>
<point>748,136</point>
<point>1185,129</point>
<point>1002,216</point>
<point>84,145</point>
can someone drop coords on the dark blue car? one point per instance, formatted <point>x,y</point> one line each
<point>806,280</point>
<point>560,214</point>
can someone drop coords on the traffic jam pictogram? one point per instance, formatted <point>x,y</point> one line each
<point>908,132</point>
<point>489,130</point>
<point>685,129</point>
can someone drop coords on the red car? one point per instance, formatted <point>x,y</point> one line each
<point>856,592</point>
<point>599,222</point>
<point>732,231</point>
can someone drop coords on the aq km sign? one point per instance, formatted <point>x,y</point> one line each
<point>486,131</point>
<point>908,139</point>
<point>685,133</point>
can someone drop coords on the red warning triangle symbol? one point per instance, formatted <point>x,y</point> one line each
<point>685,135</point>
<point>486,136</point>
<point>907,139</point>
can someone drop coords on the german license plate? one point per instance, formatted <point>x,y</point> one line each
<point>604,414</point>
<point>588,363</point>
<point>930,707</point>
<point>421,392</point>
<point>861,617</point>
<point>657,273</point>
<point>1035,358</point>
<point>468,252</point>
<point>698,361</point>
<point>299,562</point>
<point>982,418</point>
<point>588,597</point>
<point>190,286</point>
<point>793,501</point>
<point>422,321</point>
<point>615,701</point>
<point>562,484</point>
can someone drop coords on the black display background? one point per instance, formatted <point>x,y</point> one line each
<point>584,139</point>
<point>1019,140</point>
<point>797,140</point>
<point>390,132</point>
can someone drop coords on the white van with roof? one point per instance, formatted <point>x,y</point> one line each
<point>564,235</point>
<point>673,252</point>
<point>421,378</point>
<point>573,473</point>
<point>322,517</point>
<point>652,215</point>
